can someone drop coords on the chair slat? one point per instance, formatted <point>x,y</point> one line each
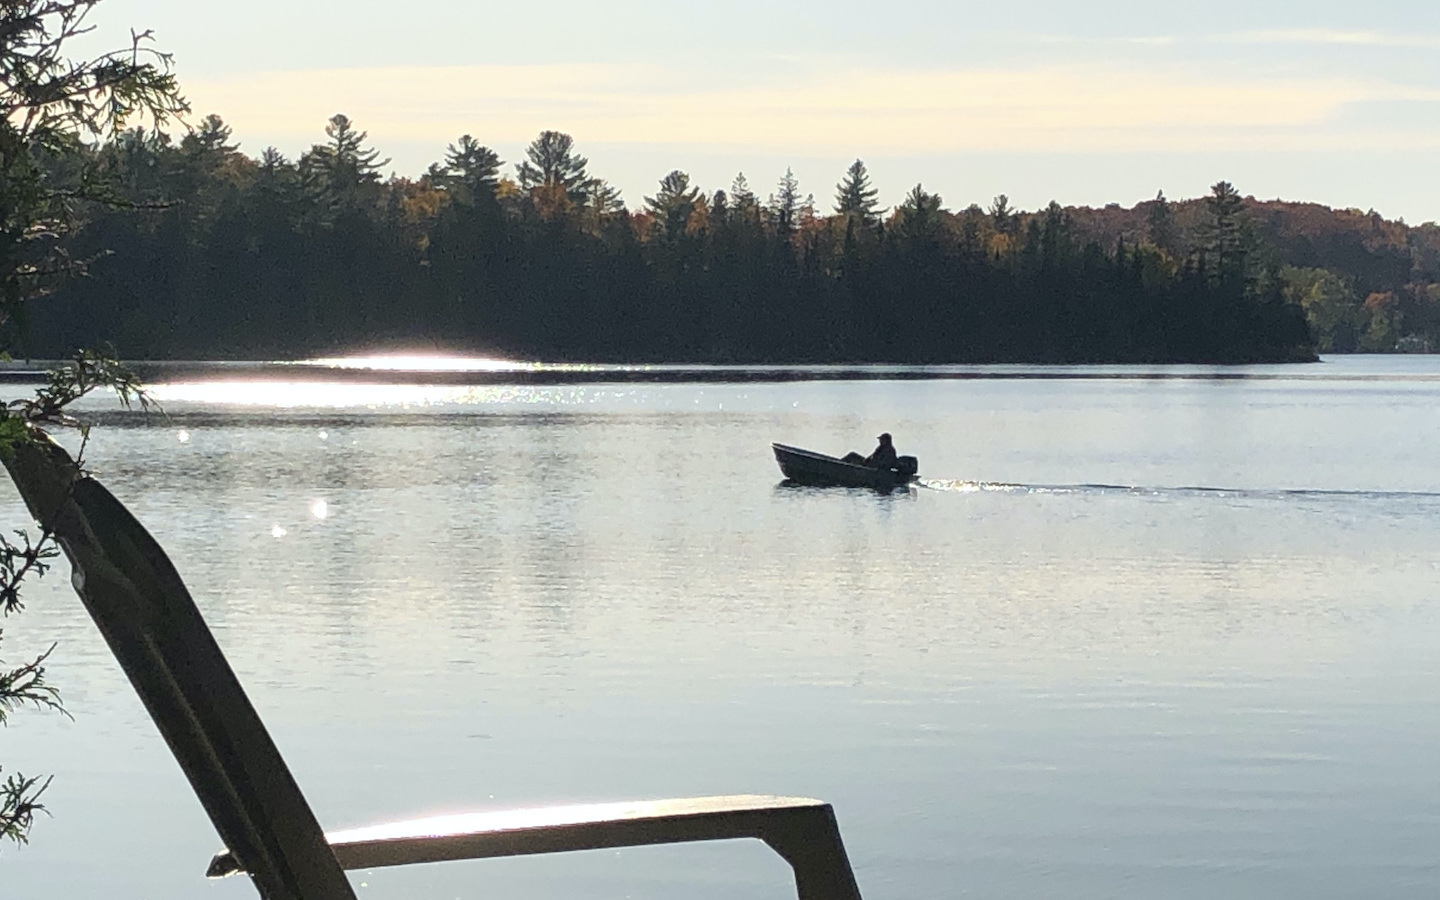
<point>801,830</point>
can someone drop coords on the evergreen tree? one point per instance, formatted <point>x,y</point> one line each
<point>212,136</point>
<point>553,168</point>
<point>970,226</point>
<point>854,197</point>
<point>1002,216</point>
<point>50,103</point>
<point>740,193</point>
<point>272,161</point>
<point>673,204</point>
<point>345,162</point>
<point>472,168</point>
<point>136,163</point>
<point>1160,224</point>
<point>918,215</point>
<point>805,215</point>
<point>719,208</point>
<point>784,205</point>
<point>342,173</point>
<point>1056,241</point>
<point>1227,241</point>
<point>604,198</point>
<point>744,207</point>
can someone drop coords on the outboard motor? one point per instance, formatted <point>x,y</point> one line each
<point>906,467</point>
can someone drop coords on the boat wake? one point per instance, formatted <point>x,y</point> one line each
<point>971,487</point>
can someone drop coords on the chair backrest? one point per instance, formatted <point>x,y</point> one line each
<point>153,627</point>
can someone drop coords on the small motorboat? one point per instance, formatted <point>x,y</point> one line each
<point>818,470</point>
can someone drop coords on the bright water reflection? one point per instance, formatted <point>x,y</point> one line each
<point>1168,638</point>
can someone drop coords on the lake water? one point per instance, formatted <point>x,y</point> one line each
<point>1172,636</point>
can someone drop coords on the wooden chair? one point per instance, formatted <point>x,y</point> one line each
<point>153,627</point>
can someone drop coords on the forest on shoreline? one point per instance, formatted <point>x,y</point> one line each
<point>202,252</point>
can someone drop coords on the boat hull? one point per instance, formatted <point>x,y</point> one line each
<point>818,470</point>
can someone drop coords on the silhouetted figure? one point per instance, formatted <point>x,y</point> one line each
<point>884,456</point>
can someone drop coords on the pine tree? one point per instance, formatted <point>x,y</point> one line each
<point>740,193</point>
<point>472,168</point>
<point>1160,224</point>
<point>784,206</point>
<point>919,214</point>
<point>673,204</point>
<point>553,166</point>
<point>605,198</point>
<point>272,160</point>
<point>345,160</point>
<point>1002,215</point>
<point>1227,241</point>
<point>210,138</point>
<point>719,208</point>
<point>1055,237</point>
<point>854,197</point>
<point>51,104</point>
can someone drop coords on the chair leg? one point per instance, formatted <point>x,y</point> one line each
<point>809,840</point>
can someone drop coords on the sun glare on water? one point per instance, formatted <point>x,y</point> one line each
<point>416,362</point>
<point>418,380</point>
<point>318,394</point>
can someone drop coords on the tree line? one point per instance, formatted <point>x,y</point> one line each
<point>210,253</point>
<point>1367,284</point>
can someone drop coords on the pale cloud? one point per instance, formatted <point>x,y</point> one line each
<point>1152,40</point>
<point>1063,108</point>
<point>1334,36</point>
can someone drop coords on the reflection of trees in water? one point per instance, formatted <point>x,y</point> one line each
<point>551,554</point>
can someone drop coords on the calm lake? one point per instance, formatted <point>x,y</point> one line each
<point>1173,636</point>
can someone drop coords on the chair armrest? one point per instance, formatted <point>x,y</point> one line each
<point>802,831</point>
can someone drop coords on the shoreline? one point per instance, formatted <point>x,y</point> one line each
<point>480,372</point>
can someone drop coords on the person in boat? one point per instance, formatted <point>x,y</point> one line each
<point>884,456</point>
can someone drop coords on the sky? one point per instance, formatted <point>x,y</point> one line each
<point>1105,101</point>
